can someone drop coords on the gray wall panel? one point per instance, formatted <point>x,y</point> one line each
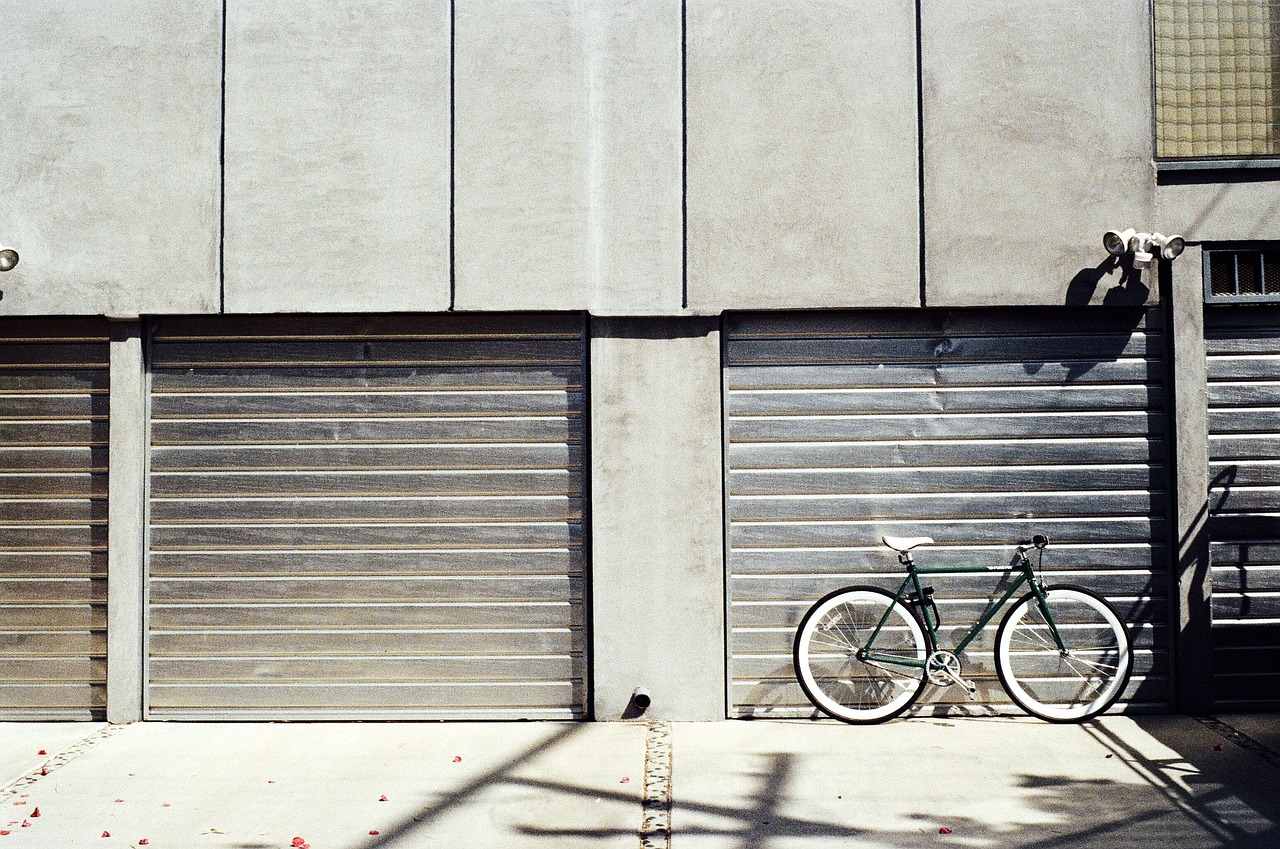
<point>337,156</point>
<point>818,473</point>
<point>1037,139</point>
<point>1206,208</point>
<point>657,519</point>
<point>568,156</point>
<point>802,165</point>
<point>110,156</point>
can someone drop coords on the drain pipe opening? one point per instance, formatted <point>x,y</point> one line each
<point>641,699</point>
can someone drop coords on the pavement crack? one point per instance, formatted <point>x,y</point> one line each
<point>655,819</point>
<point>1244,741</point>
<point>60,760</point>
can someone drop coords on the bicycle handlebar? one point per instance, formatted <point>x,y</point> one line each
<point>1039,541</point>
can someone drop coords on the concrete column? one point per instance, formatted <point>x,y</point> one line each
<point>1193,583</point>
<point>657,518</point>
<point>126,523</point>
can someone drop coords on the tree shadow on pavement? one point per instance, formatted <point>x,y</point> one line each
<point>1194,795</point>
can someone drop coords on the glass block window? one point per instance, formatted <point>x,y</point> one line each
<point>1242,274</point>
<point>1217,78</point>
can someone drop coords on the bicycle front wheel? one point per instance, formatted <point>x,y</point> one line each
<point>826,655</point>
<point>1077,681</point>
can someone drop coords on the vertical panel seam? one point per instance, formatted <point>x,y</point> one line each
<point>453,156</point>
<point>684,154</point>
<point>920,151</point>
<point>222,171</point>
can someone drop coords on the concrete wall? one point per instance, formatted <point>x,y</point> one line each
<point>1037,140</point>
<point>109,114</point>
<point>1220,206</point>
<point>802,154</point>
<point>639,157</point>
<point>337,156</point>
<point>657,517</point>
<point>568,155</point>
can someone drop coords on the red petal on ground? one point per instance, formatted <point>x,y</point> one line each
<point>298,843</point>
<point>42,752</point>
<point>166,805</point>
<point>373,831</point>
<point>457,759</point>
<point>119,800</point>
<point>383,799</point>
<point>944,830</point>
<point>1217,747</point>
<point>626,779</point>
<point>106,834</point>
<point>26,824</point>
<point>36,812</point>
<point>143,842</point>
<point>4,832</point>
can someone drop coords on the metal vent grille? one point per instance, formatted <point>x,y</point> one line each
<point>1242,275</point>
<point>1217,76</point>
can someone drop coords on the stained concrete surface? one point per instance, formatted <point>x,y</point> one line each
<point>1164,781</point>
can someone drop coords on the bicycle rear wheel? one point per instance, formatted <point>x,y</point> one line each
<point>1071,684</point>
<point>826,655</point>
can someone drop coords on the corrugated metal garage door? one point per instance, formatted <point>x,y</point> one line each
<point>1243,346</point>
<point>977,428</point>
<point>53,515</point>
<point>367,517</point>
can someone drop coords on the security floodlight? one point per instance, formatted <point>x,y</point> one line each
<point>1143,246</point>
<point>8,259</point>
<point>1117,241</point>
<point>1170,246</point>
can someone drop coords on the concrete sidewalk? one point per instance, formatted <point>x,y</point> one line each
<point>1170,782</point>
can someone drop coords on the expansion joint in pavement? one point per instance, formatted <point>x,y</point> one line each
<point>60,759</point>
<point>1244,741</point>
<point>655,827</point>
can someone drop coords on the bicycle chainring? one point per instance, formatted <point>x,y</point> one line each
<point>943,668</point>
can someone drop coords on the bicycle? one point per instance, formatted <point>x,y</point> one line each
<point>863,654</point>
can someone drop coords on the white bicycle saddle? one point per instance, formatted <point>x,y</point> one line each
<point>904,544</point>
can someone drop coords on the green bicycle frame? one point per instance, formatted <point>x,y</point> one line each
<point>912,581</point>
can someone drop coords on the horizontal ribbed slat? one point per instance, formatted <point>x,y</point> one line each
<point>978,428</point>
<point>54,385</point>
<point>367,516</point>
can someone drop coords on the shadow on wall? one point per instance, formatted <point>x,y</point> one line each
<point>1129,289</point>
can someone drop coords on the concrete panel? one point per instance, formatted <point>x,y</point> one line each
<point>568,155</point>
<point>1219,206</point>
<point>1037,139</point>
<point>802,154</point>
<point>1192,616</point>
<point>126,524</point>
<point>657,517</point>
<point>109,161</point>
<point>337,156</point>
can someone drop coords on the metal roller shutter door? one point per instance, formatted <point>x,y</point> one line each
<point>54,385</point>
<point>977,428</point>
<point>366,517</point>
<point>1243,348</point>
